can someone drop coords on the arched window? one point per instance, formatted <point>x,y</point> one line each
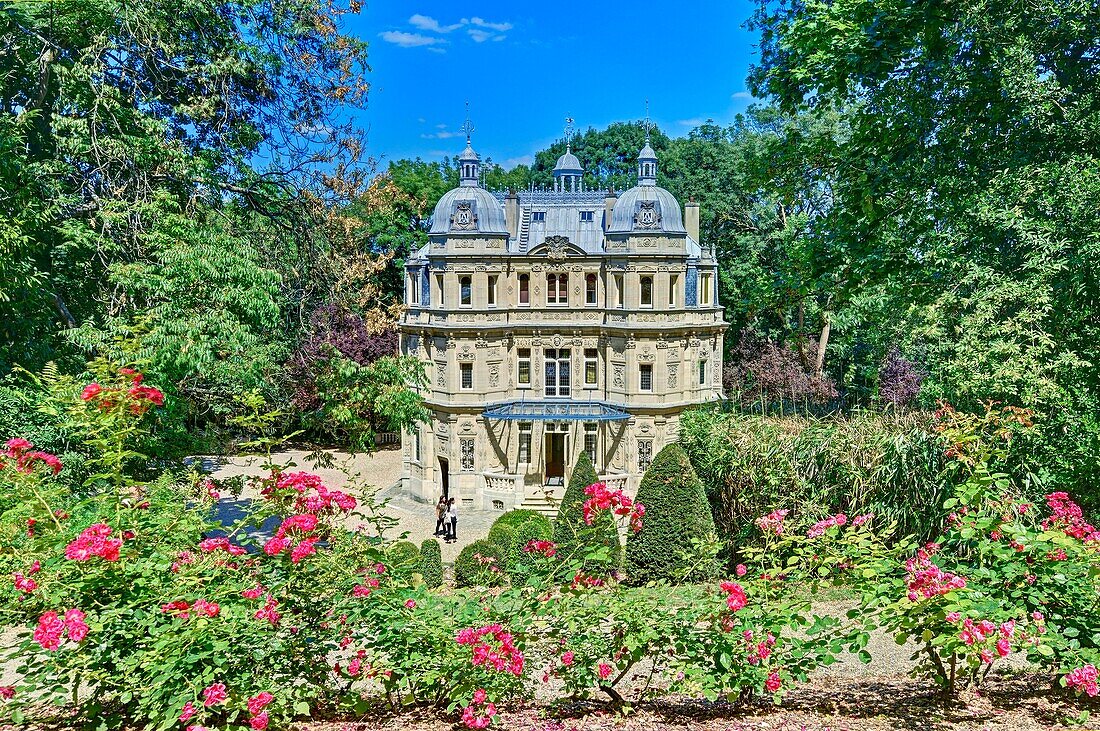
<point>647,292</point>
<point>465,291</point>
<point>557,289</point>
<point>525,289</point>
<point>590,289</point>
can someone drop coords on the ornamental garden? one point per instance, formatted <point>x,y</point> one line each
<point>131,607</point>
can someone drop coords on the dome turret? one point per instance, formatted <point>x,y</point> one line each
<point>568,171</point>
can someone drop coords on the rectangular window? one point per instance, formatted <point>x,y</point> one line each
<point>587,216</point>
<point>466,376</point>
<point>414,290</point>
<point>645,454</point>
<point>702,373</point>
<point>465,291</point>
<point>466,450</point>
<point>416,444</point>
<point>620,292</point>
<point>673,281</point>
<point>524,442</point>
<point>538,216</point>
<point>557,372</point>
<point>439,288</point>
<point>704,290</point>
<point>645,377</point>
<point>523,367</point>
<point>590,435</point>
<point>645,292</point>
<point>492,291</point>
<point>591,366</point>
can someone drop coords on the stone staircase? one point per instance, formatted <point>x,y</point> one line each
<point>546,500</point>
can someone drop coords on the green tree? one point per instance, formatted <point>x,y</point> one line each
<point>961,187</point>
<point>677,525</point>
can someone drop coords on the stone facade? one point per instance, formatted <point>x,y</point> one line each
<point>551,322</point>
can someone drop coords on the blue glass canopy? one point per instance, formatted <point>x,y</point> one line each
<point>555,411</point>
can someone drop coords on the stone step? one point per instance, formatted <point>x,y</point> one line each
<point>540,504</point>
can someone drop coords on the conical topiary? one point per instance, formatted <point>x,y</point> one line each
<point>431,563</point>
<point>570,530</point>
<point>677,518</point>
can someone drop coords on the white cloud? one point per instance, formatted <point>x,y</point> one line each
<point>498,27</point>
<point>741,95</point>
<point>693,122</point>
<point>421,120</point>
<point>408,40</point>
<point>513,161</point>
<point>441,126</point>
<point>478,29</point>
<point>428,23</point>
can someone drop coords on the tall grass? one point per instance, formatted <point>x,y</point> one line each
<point>889,463</point>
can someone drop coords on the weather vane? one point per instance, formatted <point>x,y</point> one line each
<point>467,126</point>
<point>568,133</point>
<point>647,120</point>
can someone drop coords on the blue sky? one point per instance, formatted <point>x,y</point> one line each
<point>526,66</point>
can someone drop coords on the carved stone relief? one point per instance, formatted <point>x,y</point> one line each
<point>618,377</point>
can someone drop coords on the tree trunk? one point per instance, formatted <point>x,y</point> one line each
<point>822,343</point>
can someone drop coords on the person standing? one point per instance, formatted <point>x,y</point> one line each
<point>441,516</point>
<point>452,521</point>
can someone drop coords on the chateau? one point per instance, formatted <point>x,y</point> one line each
<point>553,321</point>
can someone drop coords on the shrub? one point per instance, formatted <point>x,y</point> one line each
<point>520,562</point>
<point>891,464</point>
<point>480,564</point>
<point>431,563</point>
<point>678,524</point>
<point>761,372</point>
<point>899,379</point>
<point>505,526</point>
<point>570,525</point>
<point>403,557</point>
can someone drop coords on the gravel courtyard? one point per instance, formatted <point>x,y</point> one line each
<point>380,472</point>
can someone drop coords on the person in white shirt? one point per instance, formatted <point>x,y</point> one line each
<point>452,521</point>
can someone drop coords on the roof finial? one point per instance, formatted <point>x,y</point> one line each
<point>568,134</point>
<point>467,126</point>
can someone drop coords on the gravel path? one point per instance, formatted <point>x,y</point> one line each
<point>379,471</point>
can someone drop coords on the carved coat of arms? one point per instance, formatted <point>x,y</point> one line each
<point>464,218</point>
<point>647,215</point>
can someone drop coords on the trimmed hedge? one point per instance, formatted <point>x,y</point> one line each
<point>677,515</point>
<point>471,572</point>
<point>403,557</point>
<point>570,522</point>
<point>520,563</point>
<point>505,526</point>
<point>431,563</point>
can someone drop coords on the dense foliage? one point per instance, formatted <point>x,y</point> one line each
<point>891,464</point>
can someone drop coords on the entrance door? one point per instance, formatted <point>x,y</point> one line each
<point>444,477</point>
<point>555,458</point>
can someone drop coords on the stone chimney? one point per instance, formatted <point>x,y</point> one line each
<point>691,219</point>
<point>608,206</point>
<point>511,213</point>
